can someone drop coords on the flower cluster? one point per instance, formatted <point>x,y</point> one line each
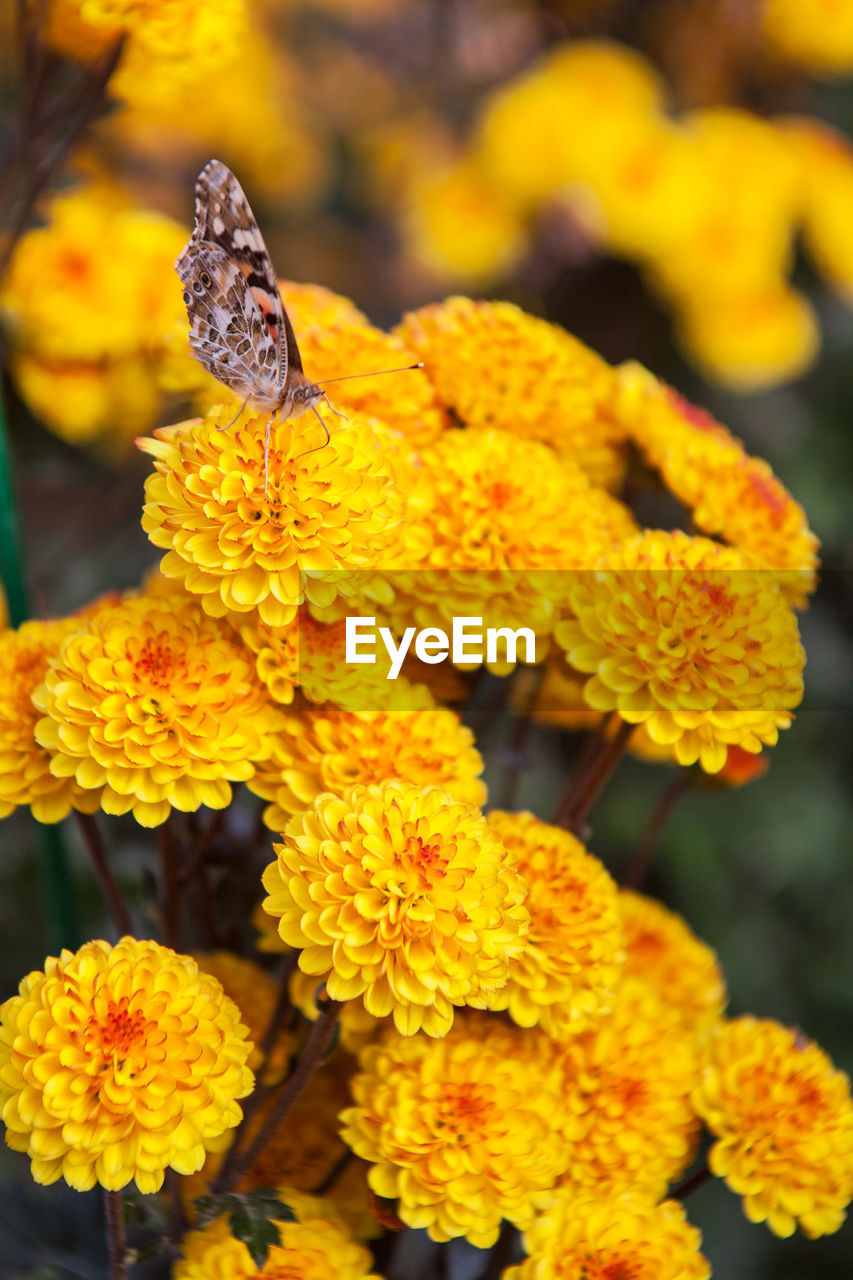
<point>118,1062</point>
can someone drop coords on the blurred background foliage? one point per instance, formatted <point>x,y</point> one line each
<point>672,182</point>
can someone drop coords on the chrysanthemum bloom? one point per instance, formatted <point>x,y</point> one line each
<point>661,948</point>
<point>826,172</point>
<point>118,1062</point>
<point>691,639</point>
<point>587,1234</point>
<point>730,494</point>
<point>783,1120</point>
<point>401,895</point>
<point>156,705</point>
<point>329,749</point>
<point>566,977</point>
<point>255,993</point>
<point>628,1084</point>
<point>816,35</point>
<point>25,776</point>
<point>462,1131</point>
<point>89,301</point>
<point>316,1246</point>
<point>494,366</point>
<point>331,511</point>
<point>500,519</point>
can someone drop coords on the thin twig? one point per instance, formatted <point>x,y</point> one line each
<point>691,1184</point>
<point>313,1054</point>
<point>638,867</point>
<point>341,1164</point>
<point>116,1242</point>
<point>97,851</point>
<point>583,791</point>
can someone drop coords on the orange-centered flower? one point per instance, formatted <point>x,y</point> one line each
<point>783,1120</point>
<point>118,1062</point>
<point>401,895</point>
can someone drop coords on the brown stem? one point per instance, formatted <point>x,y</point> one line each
<point>177,1215</point>
<point>583,791</point>
<point>638,867</point>
<point>97,851</point>
<point>115,1235</point>
<point>319,1040</point>
<point>169,885</point>
<point>341,1164</point>
<point>201,847</point>
<point>519,735</point>
<point>691,1184</point>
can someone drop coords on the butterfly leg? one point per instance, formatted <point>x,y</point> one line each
<point>270,421</point>
<point>236,415</point>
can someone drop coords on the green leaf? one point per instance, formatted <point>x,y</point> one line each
<point>252,1217</point>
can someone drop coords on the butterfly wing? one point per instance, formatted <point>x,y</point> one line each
<point>229,334</point>
<point>223,217</point>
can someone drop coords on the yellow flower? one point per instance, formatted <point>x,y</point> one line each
<point>316,1246</point>
<point>565,979</point>
<point>118,1062</point>
<point>816,35</point>
<point>401,895</point>
<point>690,639</point>
<point>500,519</point>
<point>492,365</point>
<point>661,949</point>
<point>329,749</point>
<point>333,509</point>
<point>462,1131</point>
<point>627,1085</point>
<point>89,300</point>
<point>783,1120</point>
<point>588,1235</point>
<point>755,340</point>
<point>25,776</point>
<point>155,705</point>
<point>825,157</point>
<point>729,493</point>
<point>255,994</point>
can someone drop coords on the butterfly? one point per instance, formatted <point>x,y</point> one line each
<point>239,328</point>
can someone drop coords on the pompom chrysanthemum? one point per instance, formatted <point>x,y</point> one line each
<point>329,749</point>
<point>119,1062</point>
<point>585,1235</point>
<point>566,977</point>
<point>692,640</point>
<point>462,1131</point>
<point>783,1121</point>
<point>627,1085</point>
<point>156,705</point>
<point>400,895</point>
<point>314,1246</point>
<point>256,550</point>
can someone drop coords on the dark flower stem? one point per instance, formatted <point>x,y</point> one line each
<point>502,1253</point>
<point>638,868</point>
<point>169,885</point>
<point>319,1040</point>
<point>587,785</point>
<point>518,739</point>
<point>691,1184</point>
<point>97,851</point>
<point>115,1235</point>
<point>338,1168</point>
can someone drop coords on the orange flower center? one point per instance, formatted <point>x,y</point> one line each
<point>425,859</point>
<point>593,1268</point>
<point>466,1114</point>
<point>155,663</point>
<point>119,1033</point>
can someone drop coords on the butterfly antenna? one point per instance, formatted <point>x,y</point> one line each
<point>347,377</point>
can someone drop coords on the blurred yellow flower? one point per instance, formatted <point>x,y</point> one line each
<point>462,1131</point>
<point>154,705</point>
<point>627,1088</point>
<point>816,35</point>
<point>566,977</point>
<point>330,508</point>
<point>326,748</point>
<point>825,157</point>
<point>401,895</point>
<point>89,302</point>
<point>25,776</point>
<point>492,365</point>
<point>255,993</point>
<point>661,949</point>
<point>118,1062</point>
<point>783,1120</point>
<point>590,1234</point>
<point>691,639</point>
<point>315,1246</point>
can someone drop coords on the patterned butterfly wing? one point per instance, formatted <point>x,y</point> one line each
<point>229,334</point>
<point>223,217</point>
